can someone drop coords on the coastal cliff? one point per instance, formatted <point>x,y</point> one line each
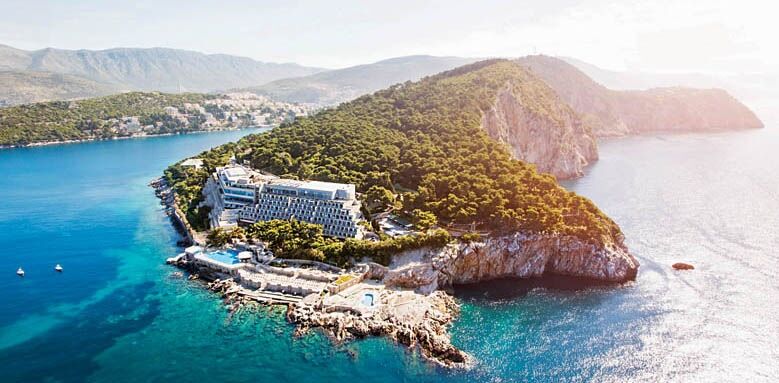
<point>557,142</point>
<point>518,255</point>
<point>618,113</point>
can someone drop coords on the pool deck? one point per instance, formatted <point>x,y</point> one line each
<point>351,298</point>
<point>261,281</point>
<point>203,259</point>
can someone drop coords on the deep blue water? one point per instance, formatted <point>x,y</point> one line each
<point>116,314</point>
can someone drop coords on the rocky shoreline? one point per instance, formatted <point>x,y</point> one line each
<point>519,255</point>
<point>429,334</point>
<point>409,304</point>
<point>167,197</point>
<point>422,324</point>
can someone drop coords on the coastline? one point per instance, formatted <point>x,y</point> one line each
<point>674,132</point>
<point>409,299</point>
<point>85,140</point>
<point>415,317</point>
<point>418,321</point>
<point>168,198</point>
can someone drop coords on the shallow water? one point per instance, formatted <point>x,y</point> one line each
<point>117,314</point>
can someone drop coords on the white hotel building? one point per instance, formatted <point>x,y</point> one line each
<point>246,196</point>
<point>239,186</point>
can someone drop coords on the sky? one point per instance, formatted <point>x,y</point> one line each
<point>711,36</point>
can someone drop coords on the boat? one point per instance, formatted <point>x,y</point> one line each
<point>20,272</point>
<point>58,268</point>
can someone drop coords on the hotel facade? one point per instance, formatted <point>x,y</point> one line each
<point>247,197</point>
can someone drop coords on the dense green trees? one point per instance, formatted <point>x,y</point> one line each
<point>424,220</point>
<point>424,141</point>
<point>291,239</point>
<point>302,240</point>
<point>221,236</point>
<point>378,197</point>
<point>76,120</point>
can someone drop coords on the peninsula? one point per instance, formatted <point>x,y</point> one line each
<point>621,112</point>
<point>359,217</point>
<point>138,114</point>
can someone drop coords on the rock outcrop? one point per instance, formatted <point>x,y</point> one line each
<point>411,307</point>
<point>617,113</point>
<point>518,255</point>
<point>553,137</point>
<point>422,325</point>
<point>683,266</point>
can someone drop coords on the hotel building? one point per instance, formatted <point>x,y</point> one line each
<point>258,197</point>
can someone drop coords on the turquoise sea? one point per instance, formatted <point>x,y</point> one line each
<point>116,314</point>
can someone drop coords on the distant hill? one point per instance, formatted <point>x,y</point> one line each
<point>619,112</point>
<point>755,89</point>
<point>620,80</point>
<point>149,69</point>
<point>336,86</point>
<point>84,119</point>
<point>22,87</point>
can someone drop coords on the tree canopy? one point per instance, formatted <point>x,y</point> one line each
<point>89,118</point>
<point>424,139</point>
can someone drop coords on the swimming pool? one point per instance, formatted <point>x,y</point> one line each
<point>367,299</point>
<point>229,257</point>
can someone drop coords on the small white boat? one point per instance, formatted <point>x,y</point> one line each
<point>58,268</point>
<point>20,272</point>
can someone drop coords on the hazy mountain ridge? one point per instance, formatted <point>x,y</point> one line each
<point>22,87</point>
<point>55,74</point>
<point>149,69</point>
<point>340,85</point>
<point>755,89</point>
<point>619,112</point>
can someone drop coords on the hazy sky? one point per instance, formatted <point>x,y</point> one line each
<point>708,36</point>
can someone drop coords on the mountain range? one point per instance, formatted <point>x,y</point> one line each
<point>54,74</point>
<point>23,86</point>
<point>94,73</point>
<point>340,85</point>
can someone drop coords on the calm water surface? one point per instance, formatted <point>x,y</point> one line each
<point>115,314</point>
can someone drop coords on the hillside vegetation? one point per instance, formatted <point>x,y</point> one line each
<point>142,69</point>
<point>337,86</point>
<point>24,87</point>
<point>424,140</point>
<point>76,120</point>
